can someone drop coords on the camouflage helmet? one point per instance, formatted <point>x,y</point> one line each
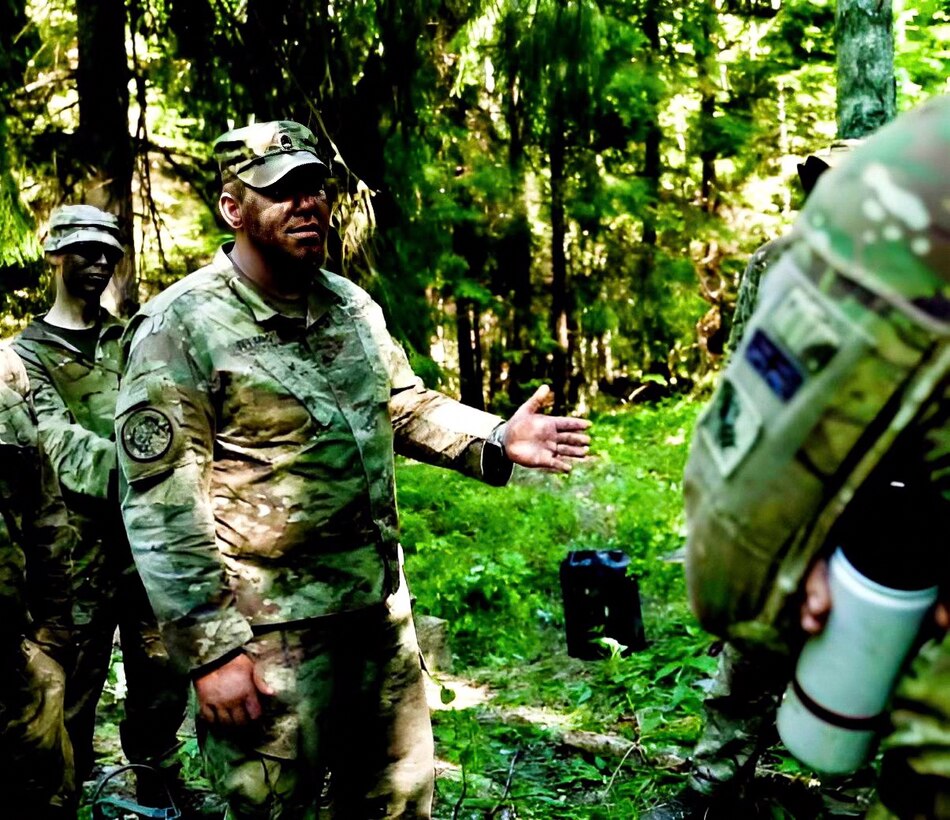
<point>260,154</point>
<point>882,216</point>
<point>74,224</point>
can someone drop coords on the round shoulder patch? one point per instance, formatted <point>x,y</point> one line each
<point>146,434</point>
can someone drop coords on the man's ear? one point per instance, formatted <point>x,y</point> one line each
<point>230,210</point>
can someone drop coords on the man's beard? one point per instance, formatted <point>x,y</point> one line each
<point>283,263</point>
<point>280,258</point>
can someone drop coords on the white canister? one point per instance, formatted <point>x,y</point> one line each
<point>832,710</point>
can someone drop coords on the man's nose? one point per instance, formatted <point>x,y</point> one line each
<point>310,200</point>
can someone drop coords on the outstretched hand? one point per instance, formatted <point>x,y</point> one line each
<point>533,439</point>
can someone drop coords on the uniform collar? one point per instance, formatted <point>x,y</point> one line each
<point>319,295</point>
<point>109,326</point>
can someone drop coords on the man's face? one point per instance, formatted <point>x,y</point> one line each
<point>87,268</point>
<point>289,220</point>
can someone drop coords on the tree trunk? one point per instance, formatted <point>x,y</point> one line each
<point>709,329</point>
<point>516,259</point>
<point>864,44</point>
<point>470,370</point>
<point>517,242</point>
<point>651,175</point>
<point>478,367</point>
<point>104,142</point>
<point>560,370</point>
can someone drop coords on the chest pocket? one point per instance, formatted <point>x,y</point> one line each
<point>360,358</point>
<point>297,394</point>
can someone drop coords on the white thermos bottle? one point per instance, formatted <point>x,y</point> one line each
<point>831,711</point>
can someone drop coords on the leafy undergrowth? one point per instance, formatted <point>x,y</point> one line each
<point>487,560</point>
<point>551,736</point>
<point>557,736</point>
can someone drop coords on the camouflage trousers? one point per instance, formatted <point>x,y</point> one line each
<point>156,694</point>
<point>36,761</point>
<point>347,732</point>
<point>739,716</point>
<point>740,724</point>
<point>915,768</point>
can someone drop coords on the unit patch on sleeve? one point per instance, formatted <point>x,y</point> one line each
<point>146,434</point>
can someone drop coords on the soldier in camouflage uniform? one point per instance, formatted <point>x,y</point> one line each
<point>809,172</point>
<point>36,766</point>
<point>257,422</point>
<point>72,358</point>
<point>893,242</point>
<point>739,711</point>
<point>905,247</point>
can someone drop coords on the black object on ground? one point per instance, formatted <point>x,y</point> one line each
<point>601,600</point>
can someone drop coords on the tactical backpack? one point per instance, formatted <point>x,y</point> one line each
<point>832,367</point>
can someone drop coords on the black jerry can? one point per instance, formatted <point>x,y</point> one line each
<point>601,600</point>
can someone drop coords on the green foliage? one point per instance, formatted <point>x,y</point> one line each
<point>922,50</point>
<point>470,564</point>
<point>557,736</point>
<point>440,120</point>
<point>18,243</point>
<point>487,559</point>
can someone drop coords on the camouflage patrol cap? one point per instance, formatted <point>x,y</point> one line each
<point>262,153</point>
<point>837,151</point>
<point>73,224</point>
<point>816,164</point>
<point>882,216</point>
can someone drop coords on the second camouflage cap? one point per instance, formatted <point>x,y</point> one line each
<point>262,153</point>
<point>72,224</point>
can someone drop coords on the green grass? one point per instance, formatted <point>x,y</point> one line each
<point>487,560</point>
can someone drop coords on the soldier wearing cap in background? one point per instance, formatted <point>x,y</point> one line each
<point>809,172</point>
<point>72,358</point>
<point>257,421</point>
<point>36,763</point>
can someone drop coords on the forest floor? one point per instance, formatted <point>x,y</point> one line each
<point>549,754</point>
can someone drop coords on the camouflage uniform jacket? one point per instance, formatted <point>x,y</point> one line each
<point>33,519</point>
<point>758,264</point>
<point>75,403</point>
<point>74,399</point>
<point>256,451</point>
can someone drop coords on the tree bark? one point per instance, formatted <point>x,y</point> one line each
<point>104,142</point>
<point>517,242</point>
<point>651,175</point>
<point>470,369</point>
<point>864,43</point>
<point>557,151</point>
